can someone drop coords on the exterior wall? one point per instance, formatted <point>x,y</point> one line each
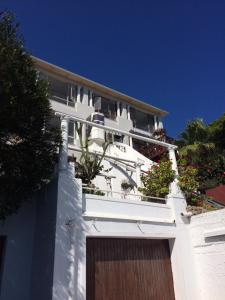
<point>44,243</point>
<point>79,217</point>
<point>29,254</point>
<point>207,233</point>
<point>16,277</point>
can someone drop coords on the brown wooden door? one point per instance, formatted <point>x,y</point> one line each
<point>128,269</point>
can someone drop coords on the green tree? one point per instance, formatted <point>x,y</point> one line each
<point>28,144</point>
<point>200,146</point>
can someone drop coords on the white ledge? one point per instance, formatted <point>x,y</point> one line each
<point>97,215</point>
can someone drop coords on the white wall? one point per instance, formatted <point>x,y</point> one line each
<point>79,217</point>
<point>19,231</point>
<point>207,232</point>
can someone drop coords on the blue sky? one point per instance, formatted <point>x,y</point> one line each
<point>170,53</point>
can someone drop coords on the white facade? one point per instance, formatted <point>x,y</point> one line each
<point>197,244</point>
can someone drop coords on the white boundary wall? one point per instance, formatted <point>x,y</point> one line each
<point>207,233</point>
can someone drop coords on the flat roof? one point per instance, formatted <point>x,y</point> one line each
<point>97,86</point>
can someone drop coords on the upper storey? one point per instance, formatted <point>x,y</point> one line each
<point>75,95</point>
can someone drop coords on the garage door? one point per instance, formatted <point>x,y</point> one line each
<point>128,269</point>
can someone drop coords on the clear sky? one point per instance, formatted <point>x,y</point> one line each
<point>170,53</point>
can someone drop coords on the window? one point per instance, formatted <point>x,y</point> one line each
<point>73,94</point>
<point>142,120</point>
<point>106,107</point>
<point>58,89</point>
<point>71,133</point>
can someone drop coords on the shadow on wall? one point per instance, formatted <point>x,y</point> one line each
<point>70,239</point>
<point>215,239</point>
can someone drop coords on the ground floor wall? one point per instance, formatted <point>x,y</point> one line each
<point>207,232</point>
<point>74,226</point>
<point>27,271</point>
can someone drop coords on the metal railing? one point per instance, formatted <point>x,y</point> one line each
<point>116,130</point>
<point>123,195</point>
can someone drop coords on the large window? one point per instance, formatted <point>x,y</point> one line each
<point>106,107</point>
<point>142,120</point>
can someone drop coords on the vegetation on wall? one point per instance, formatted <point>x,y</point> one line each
<point>28,145</point>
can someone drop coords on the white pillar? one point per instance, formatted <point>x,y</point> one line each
<point>175,190</point>
<point>128,112</point>
<point>124,111</point>
<point>78,93</point>
<point>160,124</point>
<point>138,174</point>
<point>172,157</point>
<point>131,141</point>
<point>91,98</point>
<point>118,109</point>
<point>63,156</point>
<point>155,122</point>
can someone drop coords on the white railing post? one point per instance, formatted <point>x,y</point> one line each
<point>174,188</point>
<point>63,157</point>
<point>138,174</point>
<point>172,157</point>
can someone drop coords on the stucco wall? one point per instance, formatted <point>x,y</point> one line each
<point>29,253</point>
<point>207,232</point>
<point>80,217</point>
<point>44,243</point>
<point>16,277</point>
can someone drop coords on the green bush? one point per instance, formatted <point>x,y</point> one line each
<point>156,183</point>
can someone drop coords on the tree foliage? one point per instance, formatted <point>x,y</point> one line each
<point>202,146</point>
<point>157,181</point>
<point>28,144</point>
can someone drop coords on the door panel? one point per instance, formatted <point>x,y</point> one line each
<point>128,269</point>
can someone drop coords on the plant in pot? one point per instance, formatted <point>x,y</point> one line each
<point>126,186</point>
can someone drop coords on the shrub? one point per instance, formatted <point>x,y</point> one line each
<point>156,183</point>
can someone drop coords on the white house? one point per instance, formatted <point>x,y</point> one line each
<point>71,244</point>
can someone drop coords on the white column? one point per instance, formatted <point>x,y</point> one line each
<point>172,157</point>
<point>155,122</point>
<point>128,112</point>
<point>131,141</point>
<point>160,124</point>
<point>138,174</point>
<point>124,111</point>
<point>118,109</point>
<point>91,98</point>
<point>174,189</point>
<point>78,93</point>
<point>63,156</point>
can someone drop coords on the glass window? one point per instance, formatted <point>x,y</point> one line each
<point>142,120</point>
<point>71,133</point>
<point>106,107</point>
<point>59,90</point>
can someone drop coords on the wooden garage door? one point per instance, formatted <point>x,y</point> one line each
<point>128,269</point>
